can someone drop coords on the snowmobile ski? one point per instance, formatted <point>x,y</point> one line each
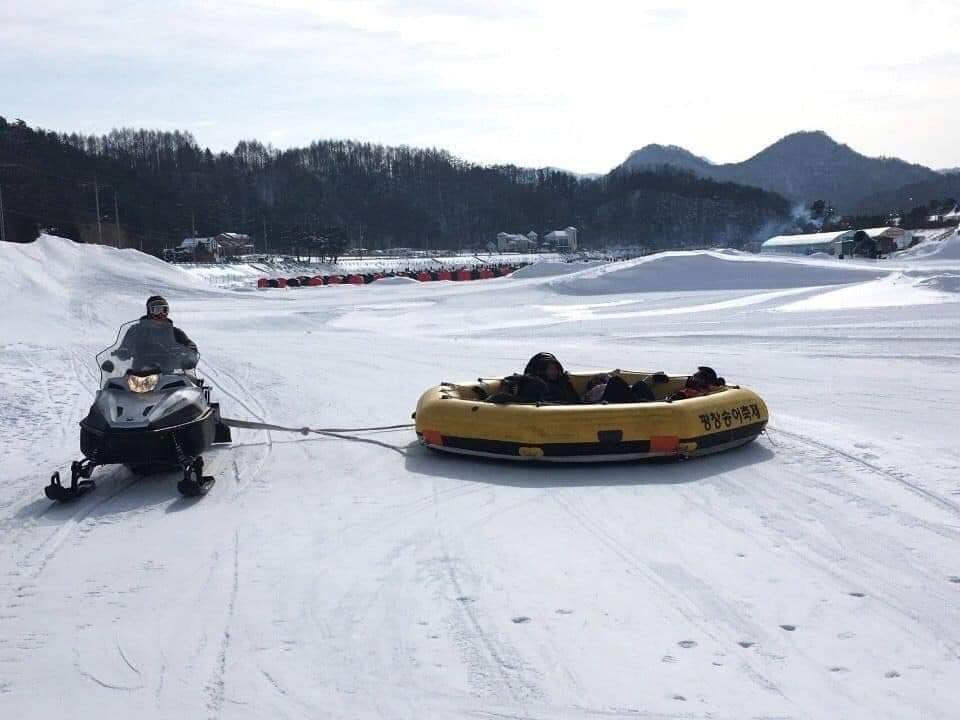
<point>80,484</point>
<point>195,483</point>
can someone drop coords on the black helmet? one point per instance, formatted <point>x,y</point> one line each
<point>707,375</point>
<point>539,362</point>
<point>157,305</point>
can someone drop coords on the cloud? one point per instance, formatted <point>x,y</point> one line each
<point>543,82</point>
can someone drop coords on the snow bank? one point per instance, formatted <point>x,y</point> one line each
<point>397,280</point>
<point>947,249</point>
<point>52,278</point>
<point>550,268</point>
<point>709,270</point>
<point>897,290</point>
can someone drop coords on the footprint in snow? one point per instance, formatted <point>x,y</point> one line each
<point>465,599</point>
<point>668,659</point>
<point>955,578</point>
<point>564,611</point>
<point>681,698</point>
<point>687,644</point>
<point>789,628</point>
<point>857,594</point>
<point>892,674</point>
<point>520,619</point>
<point>745,644</point>
<point>839,669</point>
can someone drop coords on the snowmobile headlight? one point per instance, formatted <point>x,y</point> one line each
<point>142,384</point>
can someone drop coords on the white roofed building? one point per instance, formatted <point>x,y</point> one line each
<point>829,242</point>
<point>223,245</point>
<point>563,240</point>
<point>509,242</point>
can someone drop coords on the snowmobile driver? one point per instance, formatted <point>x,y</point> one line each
<point>158,310</point>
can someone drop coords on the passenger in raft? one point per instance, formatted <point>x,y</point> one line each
<point>605,388</point>
<point>559,388</point>
<point>520,389</point>
<point>702,382</point>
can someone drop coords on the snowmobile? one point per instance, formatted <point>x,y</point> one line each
<point>151,413</point>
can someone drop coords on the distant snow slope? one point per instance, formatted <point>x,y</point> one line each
<point>549,268</point>
<point>946,249</point>
<point>53,278</point>
<point>711,270</point>
<point>812,574</point>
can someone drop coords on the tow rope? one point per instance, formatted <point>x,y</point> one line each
<point>350,434</point>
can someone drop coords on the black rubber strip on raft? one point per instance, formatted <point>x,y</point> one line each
<point>629,447</point>
<point>725,436</point>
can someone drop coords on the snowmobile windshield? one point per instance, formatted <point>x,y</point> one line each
<point>145,346</point>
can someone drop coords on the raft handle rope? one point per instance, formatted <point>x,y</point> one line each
<point>351,434</point>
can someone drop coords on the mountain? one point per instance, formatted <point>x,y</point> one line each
<point>652,156</point>
<point>155,188</point>
<point>938,190</point>
<point>803,166</point>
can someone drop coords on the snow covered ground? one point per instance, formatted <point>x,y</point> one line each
<point>812,574</point>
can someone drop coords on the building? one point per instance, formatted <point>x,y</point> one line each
<point>832,243</point>
<point>886,240</point>
<point>215,248</point>
<point>950,216</point>
<point>234,244</point>
<point>563,240</point>
<point>869,242</point>
<point>507,242</point>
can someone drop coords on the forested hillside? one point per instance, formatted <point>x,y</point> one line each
<point>164,187</point>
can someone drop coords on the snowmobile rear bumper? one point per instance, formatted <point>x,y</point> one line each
<point>141,446</point>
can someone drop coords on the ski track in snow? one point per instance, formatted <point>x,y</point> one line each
<point>813,573</point>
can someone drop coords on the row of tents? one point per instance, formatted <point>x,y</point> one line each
<point>460,274</point>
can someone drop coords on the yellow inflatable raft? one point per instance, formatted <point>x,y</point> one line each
<point>456,418</point>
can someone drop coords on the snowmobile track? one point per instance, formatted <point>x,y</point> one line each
<point>677,600</point>
<point>932,497</point>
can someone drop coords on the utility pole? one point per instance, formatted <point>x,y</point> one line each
<point>96,193</point>
<point>3,232</point>
<point>116,214</point>
<point>265,236</point>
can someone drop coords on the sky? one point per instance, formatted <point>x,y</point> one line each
<point>575,85</point>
